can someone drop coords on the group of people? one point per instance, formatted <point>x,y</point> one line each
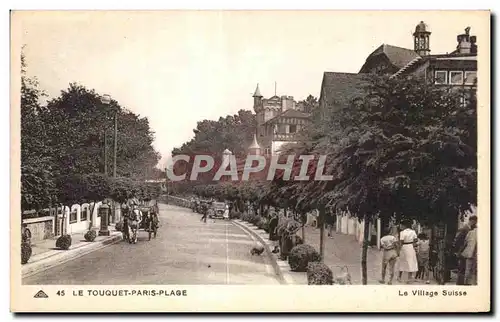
<point>412,253</point>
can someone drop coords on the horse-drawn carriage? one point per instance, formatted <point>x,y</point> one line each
<point>141,218</point>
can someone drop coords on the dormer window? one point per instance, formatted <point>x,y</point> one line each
<point>441,77</point>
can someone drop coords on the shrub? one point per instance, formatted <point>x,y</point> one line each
<point>119,226</point>
<point>90,235</point>
<point>254,219</point>
<point>25,252</point>
<point>319,274</point>
<point>264,224</point>
<point>235,215</point>
<point>298,240</point>
<point>63,242</point>
<point>300,256</point>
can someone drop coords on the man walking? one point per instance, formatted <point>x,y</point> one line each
<point>459,246</point>
<point>469,254</point>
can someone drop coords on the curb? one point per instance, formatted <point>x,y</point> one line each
<point>253,230</point>
<point>60,257</point>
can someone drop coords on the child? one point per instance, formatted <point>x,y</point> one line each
<point>423,257</point>
<point>389,244</point>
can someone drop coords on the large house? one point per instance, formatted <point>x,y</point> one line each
<point>457,68</point>
<point>279,119</point>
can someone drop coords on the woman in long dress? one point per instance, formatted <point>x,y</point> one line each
<point>408,257</point>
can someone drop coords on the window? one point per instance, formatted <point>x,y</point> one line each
<point>73,217</point>
<point>470,78</point>
<point>84,214</point>
<point>456,78</point>
<point>293,128</point>
<point>441,77</point>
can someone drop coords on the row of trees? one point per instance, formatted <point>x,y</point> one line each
<point>406,148</point>
<point>66,135</point>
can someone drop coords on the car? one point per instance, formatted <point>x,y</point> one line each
<point>217,209</point>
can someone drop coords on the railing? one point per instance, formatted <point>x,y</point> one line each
<point>284,136</point>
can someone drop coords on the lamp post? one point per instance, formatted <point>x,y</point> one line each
<point>105,100</point>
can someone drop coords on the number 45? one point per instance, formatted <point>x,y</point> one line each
<point>60,293</point>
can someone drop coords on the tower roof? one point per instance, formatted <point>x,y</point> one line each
<point>255,144</point>
<point>422,28</point>
<point>257,92</point>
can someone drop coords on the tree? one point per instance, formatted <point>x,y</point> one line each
<point>408,148</point>
<point>79,114</point>
<point>37,186</point>
<point>233,132</point>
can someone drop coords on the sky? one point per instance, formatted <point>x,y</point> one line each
<point>180,67</point>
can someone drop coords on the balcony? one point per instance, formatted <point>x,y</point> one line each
<point>284,136</point>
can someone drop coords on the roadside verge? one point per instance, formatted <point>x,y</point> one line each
<point>282,269</point>
<point>44,261</point>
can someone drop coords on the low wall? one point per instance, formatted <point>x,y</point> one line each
<point>176,201</point>
<point>41,228</point>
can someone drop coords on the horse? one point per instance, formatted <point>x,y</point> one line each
<point>133,226</point>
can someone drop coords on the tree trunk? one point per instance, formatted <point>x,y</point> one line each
<point>321,226</point>
<point>91,223</point>
<point>364,252</point>
<point>285,212</point>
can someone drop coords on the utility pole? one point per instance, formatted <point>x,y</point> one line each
<point>105,154</point>
<point>115,144</point>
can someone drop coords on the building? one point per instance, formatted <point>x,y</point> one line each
<point>457,68</point>
<point>279,119</point>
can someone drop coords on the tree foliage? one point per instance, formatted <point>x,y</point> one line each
<point>64,139</point>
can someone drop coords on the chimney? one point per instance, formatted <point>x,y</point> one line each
<point>464,42</point>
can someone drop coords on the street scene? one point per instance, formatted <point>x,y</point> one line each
<point>186,251</point>
<point>207,155</point>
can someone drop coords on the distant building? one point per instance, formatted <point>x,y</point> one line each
<point>279,119</point>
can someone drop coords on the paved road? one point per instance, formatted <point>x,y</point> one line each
<point>186,251</point>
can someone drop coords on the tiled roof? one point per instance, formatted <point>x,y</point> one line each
<point>398,56</point>
<point>342,88</point>
<point>290,113</point>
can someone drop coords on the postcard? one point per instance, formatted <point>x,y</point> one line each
<point>250,161</point>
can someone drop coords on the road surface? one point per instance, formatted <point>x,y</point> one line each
<point>186,251</point>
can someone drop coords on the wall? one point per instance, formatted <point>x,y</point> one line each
<point>41,228</point>
<point>44,227</point>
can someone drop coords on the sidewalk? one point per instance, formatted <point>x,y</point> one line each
<point>340,250</point>
<point>344,250</point>
<point>45,255</point>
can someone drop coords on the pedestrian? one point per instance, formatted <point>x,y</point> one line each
<point>204,211</point>
<point>329,224</point>
<point>469,254</point>
<point>273,236</point>
<point>423,254</point>
<point>408,256</point>
<point>226,213</point>
<point>459,247</point>
<point>389,245</point>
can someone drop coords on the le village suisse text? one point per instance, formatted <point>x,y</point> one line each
<point>420,292</point>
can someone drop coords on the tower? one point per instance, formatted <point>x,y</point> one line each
<point>257,99</point>
<point>254,148</point>
<point>421,39</point>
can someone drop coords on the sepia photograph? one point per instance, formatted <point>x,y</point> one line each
<point>239,160</point>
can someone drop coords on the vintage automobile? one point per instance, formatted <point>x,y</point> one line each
<point>217,210</point>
